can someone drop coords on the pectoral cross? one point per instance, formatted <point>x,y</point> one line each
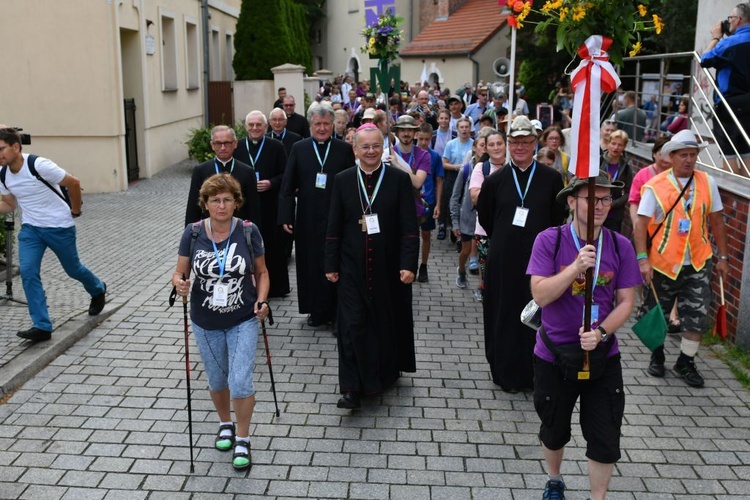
<point>363,223</point>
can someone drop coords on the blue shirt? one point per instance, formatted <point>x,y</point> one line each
<point>474,112</point>
<point>457,151</point>
<point>436,170</point>
<point>731,58</point>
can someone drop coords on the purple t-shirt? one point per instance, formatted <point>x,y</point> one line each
<point>563,318</point>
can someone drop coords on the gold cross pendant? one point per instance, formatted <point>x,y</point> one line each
<point>363,224</point>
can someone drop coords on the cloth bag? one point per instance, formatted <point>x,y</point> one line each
<point>651,328</point>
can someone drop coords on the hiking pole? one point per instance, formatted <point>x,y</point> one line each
<point>172,297</point>
<point>268,354</point>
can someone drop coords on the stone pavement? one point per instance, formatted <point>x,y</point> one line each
<point>107,419</point>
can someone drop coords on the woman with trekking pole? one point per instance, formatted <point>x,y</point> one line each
<point>228,294</point>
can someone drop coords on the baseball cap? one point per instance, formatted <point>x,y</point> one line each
<point>521,126</point>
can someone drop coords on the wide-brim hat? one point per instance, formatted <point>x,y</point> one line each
<point>405,122</point>
<point>602,180</point>
<point>683,139</point>
<point>521,126</point>
<point>368,114</point>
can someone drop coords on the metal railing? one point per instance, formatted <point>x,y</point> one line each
<point>703,119</point>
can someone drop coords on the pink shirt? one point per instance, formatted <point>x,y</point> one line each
<point>476,180</point>
<point>641,178</point>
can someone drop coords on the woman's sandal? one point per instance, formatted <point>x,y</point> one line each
<point>241,460</point>
<point>225,443</point>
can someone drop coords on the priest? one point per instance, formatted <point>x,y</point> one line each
<point>308,177</point>
<point>371,251</point>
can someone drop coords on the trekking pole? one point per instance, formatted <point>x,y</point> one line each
<point>172,297</point>
<point>268,354</point>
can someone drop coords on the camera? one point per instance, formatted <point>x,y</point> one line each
<point>25,138</point>
<point>725,27</point>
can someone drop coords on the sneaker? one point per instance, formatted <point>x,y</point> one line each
<point>473,266</point>
<point>441,233</point>
<point>478,295</point>
<point>461,279</point>
<point>422,274</point>
<point>97,303</point>
<point>656,366</point>
<point>555,490</point>
<point>685,368</point>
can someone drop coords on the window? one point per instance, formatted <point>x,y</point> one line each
<point>168,52</point>
<point>192,56</point>
<point>229,55</point>
<point>215,59</point>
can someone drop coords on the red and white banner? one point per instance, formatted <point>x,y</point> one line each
<point>594,75</point>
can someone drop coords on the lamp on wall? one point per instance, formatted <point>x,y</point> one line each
<point>149,22</point>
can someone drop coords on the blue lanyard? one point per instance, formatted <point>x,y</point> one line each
<point>410,161</point>
<point>221,261</point>
<point>322,163</point>
<point>518,186</point>
<point>617,172</point>
<point>253,160</point>
<point>686,203</point>
<point>218,170</point>
<point>598,254</point>
<point>370,201</point>
<point>280,136</point>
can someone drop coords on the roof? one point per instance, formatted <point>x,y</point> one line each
<point>464,32</point>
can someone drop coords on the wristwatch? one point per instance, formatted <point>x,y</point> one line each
<point>723,257</point>
<point>605,335</point>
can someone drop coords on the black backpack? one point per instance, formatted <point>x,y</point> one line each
<point>62,193</point>
<point>247,228</point>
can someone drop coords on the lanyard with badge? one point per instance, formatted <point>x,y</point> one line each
<point>522,213</point>
<point>369,221</point>
<point>221,291</point>
<point>321,177</point>
<point>219,169</point>
<point>683,225</point>
<point>594,307</point>
<point>280,136</point>
<point>254,160</point>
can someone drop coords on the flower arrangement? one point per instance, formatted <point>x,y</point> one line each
<point>576,20</point>
<point>383,37</point>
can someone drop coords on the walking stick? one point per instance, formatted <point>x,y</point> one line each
<point>268,354</point>
<point>172,297</point>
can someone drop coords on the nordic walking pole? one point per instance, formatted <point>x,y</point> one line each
<point>172,297</point>
<point>268,355</point>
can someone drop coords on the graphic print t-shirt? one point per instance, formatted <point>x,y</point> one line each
<point>237,276</point>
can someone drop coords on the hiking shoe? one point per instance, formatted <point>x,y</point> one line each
<point>422,274</point>
<point>685,368</point>
<point>473,266</point>
<point>461,279</point>
<point>441,233</point>
<point>656,366</point>
<point>35,334</point>
<point>555,490</point>
<point>97,303</point>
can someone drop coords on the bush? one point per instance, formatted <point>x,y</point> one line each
<point>199,143</point>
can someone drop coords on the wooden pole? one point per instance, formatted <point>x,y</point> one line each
<point>584,374</point>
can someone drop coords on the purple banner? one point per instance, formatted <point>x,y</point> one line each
<point>375,8</point>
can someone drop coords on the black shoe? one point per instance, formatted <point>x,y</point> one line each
<point>441,233</point>
<point>314,321</point>
<point>656,366</point>
<point>97,303</point>
<point>422,274</point>
<point>35,334</point>
<point>554,490</point>
<point>459,246</point>
<point>685,368</point>
<point>349,401</point>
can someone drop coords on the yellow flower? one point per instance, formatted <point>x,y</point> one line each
<point>563,14</point>
<point>524,13</point>
<point>658,24</point>
<point>642,10</point>
<point>550,5</point>
<point>579,12</point>
<point>636,49</point>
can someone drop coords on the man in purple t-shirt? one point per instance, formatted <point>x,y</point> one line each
<point>557,268</point>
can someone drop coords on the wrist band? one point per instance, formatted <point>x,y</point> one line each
<point>641,255</point>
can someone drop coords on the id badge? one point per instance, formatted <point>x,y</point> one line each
<point>519,219</point>
<point>220,295</point>
<point>320,180</point>
<point>594,314</point>
<point>373,226</point>
<point>257,176</point>
<point>683,226</point>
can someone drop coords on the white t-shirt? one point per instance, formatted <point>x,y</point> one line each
<point>40,207</point>
<point>475,181</point>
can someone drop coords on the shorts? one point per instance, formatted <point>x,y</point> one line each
<point>602,403</point>
<point>429,223</point>
<point>466,237</point>
<point>229,357</point>
<point>692,289</point>
<point>735,135</point>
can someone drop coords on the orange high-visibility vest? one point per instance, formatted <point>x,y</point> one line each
<point>669,246</point>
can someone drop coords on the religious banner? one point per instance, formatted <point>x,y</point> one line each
<point>376,8</point>
<point>383,38</point>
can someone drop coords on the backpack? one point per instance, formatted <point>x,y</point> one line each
<point>247,228</point>
<point>485,169</point>
<point>31,161</point>
<point>559,237</point>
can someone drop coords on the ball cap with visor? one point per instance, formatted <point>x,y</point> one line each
<point>602,180</point>
<point>369,114</point>
<point>684,139</point>
<point>521,126</point>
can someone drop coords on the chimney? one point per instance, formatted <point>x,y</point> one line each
<point>443,10</point>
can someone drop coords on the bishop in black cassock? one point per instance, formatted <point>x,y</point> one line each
<point>268,158</point>
<point>373,263</point>
<point>308,176</point>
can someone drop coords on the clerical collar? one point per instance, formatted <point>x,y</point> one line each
<point>224,163</point>
<point>519,168</point>
<point>322,143</point>
<point>373,172</point>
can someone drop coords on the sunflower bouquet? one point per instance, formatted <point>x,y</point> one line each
<point>383,37</point>
<point>621,20</point>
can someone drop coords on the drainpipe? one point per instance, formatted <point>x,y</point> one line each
<point>475,72</point>
<point>206,62</point>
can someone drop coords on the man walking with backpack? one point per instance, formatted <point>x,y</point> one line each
<point>36,185</point>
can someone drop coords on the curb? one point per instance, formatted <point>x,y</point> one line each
<point>38,356</point>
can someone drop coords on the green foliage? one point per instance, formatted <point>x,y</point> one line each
<point>679,32</point>
<point>283,36</point>
<point>534,74</point>
<point>199,144</point>
<point>735,357</point>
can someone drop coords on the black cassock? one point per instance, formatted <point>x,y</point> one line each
<point>375,321</point>
<point>269,165</point>
<point>244,174</point>
<point>287,138</point>
<point>509,344</point>
<point>315,294</point>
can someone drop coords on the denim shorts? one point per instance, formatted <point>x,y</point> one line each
<point>229,357</point>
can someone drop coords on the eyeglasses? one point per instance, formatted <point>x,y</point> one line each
<point>220,201</point>
<point>224,144</point>
<point>729,18</point>
<point>370,147</point>
<point>526,144</point>
<point>605,200</point>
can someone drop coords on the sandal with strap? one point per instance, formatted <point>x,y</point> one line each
<point>225,443</point>
<point>241,459</point>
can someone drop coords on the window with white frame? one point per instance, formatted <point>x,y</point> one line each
<point>215,57</point>
<point>192,55</point>
<point>229,56</point>
<point>168,52</point>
